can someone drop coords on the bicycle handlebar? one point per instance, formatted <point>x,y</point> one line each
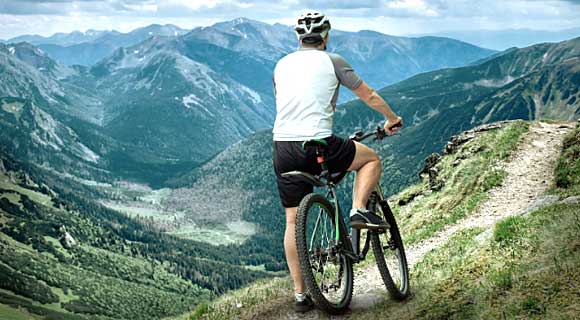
<point>379,134</point>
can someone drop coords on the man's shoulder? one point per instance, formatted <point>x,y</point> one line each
<point>336,58</point>
<point>334,55</point>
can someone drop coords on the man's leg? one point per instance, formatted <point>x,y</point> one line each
<point>367,164</point>
<point>291,252</point>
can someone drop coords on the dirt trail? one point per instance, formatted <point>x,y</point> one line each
<point>529,175</point>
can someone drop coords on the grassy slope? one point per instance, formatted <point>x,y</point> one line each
<point>568,167</point>
<point>108,283</point>
<point>525,268</point>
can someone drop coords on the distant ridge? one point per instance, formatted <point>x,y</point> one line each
<point>266,40</point>
<point>504,39</point>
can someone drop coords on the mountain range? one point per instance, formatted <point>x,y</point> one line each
<point>200,97</point>
<point>86,48</point>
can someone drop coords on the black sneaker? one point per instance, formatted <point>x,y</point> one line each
<point>305,305</point>
<point>367,220</point>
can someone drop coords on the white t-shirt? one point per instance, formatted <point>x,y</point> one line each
<point>306,83</point>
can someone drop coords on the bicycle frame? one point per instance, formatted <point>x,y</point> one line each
<point>353,240</point>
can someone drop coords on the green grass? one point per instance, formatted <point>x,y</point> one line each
<point>257,301</point>
<point>567,171</point>
<point>142,210</point>
<point>508,230</point>
<point>467,174</point>
<point>217,234</point>
<point>7,184</point>
<point>14,198</point>
<point>10,313</point>
<point>65,297</point>
<point>13,107</point>
<point>58,246</point>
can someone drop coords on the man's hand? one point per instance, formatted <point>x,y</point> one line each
<point>393,125</point>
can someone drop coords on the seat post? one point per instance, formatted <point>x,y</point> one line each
<point>320,145</point>
<point>322,161</point>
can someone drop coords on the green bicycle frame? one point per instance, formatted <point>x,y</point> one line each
<point>337,216</point>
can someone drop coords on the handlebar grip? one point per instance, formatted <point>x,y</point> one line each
<point>397,125</point>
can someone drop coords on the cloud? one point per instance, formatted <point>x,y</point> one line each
<point>50,7</point>
<point>392,16</point>
<point>413,7</point>
<point>341,4</point>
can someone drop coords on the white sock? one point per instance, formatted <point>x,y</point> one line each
<point>300,296</point>
<point>353,211</point>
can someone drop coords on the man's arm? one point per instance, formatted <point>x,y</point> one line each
<point>373,100</point>
<point>348,78</point>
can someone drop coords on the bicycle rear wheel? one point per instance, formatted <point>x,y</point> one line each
<point>327,271</point>
<point>390,255</point>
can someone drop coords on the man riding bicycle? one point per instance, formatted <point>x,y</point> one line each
<point>306,85</point>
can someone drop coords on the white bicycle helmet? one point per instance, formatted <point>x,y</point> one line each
<point>312,27</point>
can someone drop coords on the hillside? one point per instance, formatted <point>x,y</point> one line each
<point>65,256</point>
<point>107,113</point>
<point>497,239</point>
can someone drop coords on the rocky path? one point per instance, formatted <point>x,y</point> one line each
<point>530,173</point>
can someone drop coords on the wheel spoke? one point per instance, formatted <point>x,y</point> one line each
<point>327,265</point>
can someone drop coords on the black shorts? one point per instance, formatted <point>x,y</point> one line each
<point>289,156</point>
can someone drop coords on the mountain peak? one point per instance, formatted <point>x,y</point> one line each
<point>240,21</point>
<point>158,29</point>
<point>28,48</point>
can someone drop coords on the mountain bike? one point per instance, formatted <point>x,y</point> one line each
<point>327,251</point>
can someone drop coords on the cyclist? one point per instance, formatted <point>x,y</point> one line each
<point>306,85</point>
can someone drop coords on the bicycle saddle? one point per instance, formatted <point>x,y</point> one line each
<point>314,143</point>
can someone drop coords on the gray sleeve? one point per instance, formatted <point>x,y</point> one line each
<point>344,72</point>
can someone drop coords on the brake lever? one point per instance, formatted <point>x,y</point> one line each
<point>356,135</point>
<point>381,134</point>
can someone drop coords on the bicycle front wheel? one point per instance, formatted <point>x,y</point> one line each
<point>390,255</point>
<point>326,270</point>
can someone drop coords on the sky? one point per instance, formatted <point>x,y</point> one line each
<point>396,17</point>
